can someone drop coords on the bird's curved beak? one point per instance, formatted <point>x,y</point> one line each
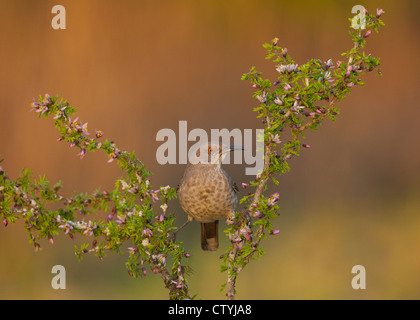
<point>233,148</point>
<point>227,149</point>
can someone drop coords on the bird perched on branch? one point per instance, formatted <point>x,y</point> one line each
<point>207,192</point>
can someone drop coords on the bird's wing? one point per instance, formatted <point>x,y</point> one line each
<point>235,187</point>
<point>232,182</point>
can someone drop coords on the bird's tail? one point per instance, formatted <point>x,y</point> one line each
<point>209,236</point>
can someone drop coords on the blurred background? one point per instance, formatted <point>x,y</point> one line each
<point>132,68</point>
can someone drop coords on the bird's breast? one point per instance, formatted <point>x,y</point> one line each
<point>207,195</point>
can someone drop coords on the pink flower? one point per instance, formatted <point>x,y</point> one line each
<point>153,193</point>
<point>132,250</point>
<point>82,153</point>
<point>161,258</point>
<point>349,69</point>
<point>113,155</point>
<point>84,129</point>
<point>89,229</point>
<point>257,214</point>
<point>275,195</point>
<point>160,217</point>
<point>121,219</point>
<point>67,226</point>
<point>147,232</point>
<point>273,199</point>
<point>98,133</point>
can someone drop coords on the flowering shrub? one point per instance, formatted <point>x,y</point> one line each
<point>300,98</point>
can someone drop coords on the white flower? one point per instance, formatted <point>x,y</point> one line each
<point>164,207</point>
<point>292,67</point>
<point>287,67</point>
<point>278,101</point>
<point>281,68</point>
<point>124,184</point>
<point>327,75</point>
<point>276,138</point>
<point>295,108</point>
<point>329,63</point>
<point>165,189</point>
<point>262,98</point>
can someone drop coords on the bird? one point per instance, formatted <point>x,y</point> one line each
<point>207,193</point>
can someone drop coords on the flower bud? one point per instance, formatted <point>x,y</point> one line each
<point>349,69</point>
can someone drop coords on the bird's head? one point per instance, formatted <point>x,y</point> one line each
<point>210,153</point>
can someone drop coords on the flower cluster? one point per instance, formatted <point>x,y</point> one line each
<point>287,68</point>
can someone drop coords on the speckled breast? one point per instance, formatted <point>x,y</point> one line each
<point>206,193</point>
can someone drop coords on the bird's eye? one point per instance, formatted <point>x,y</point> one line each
<point>210,150</point>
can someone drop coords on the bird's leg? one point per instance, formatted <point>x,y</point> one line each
<point>181,227</point>
<point>173,234</point>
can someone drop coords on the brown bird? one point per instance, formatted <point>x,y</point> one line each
<point>207,192</point>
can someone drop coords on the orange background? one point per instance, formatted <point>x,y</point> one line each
<point>132,68</point>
